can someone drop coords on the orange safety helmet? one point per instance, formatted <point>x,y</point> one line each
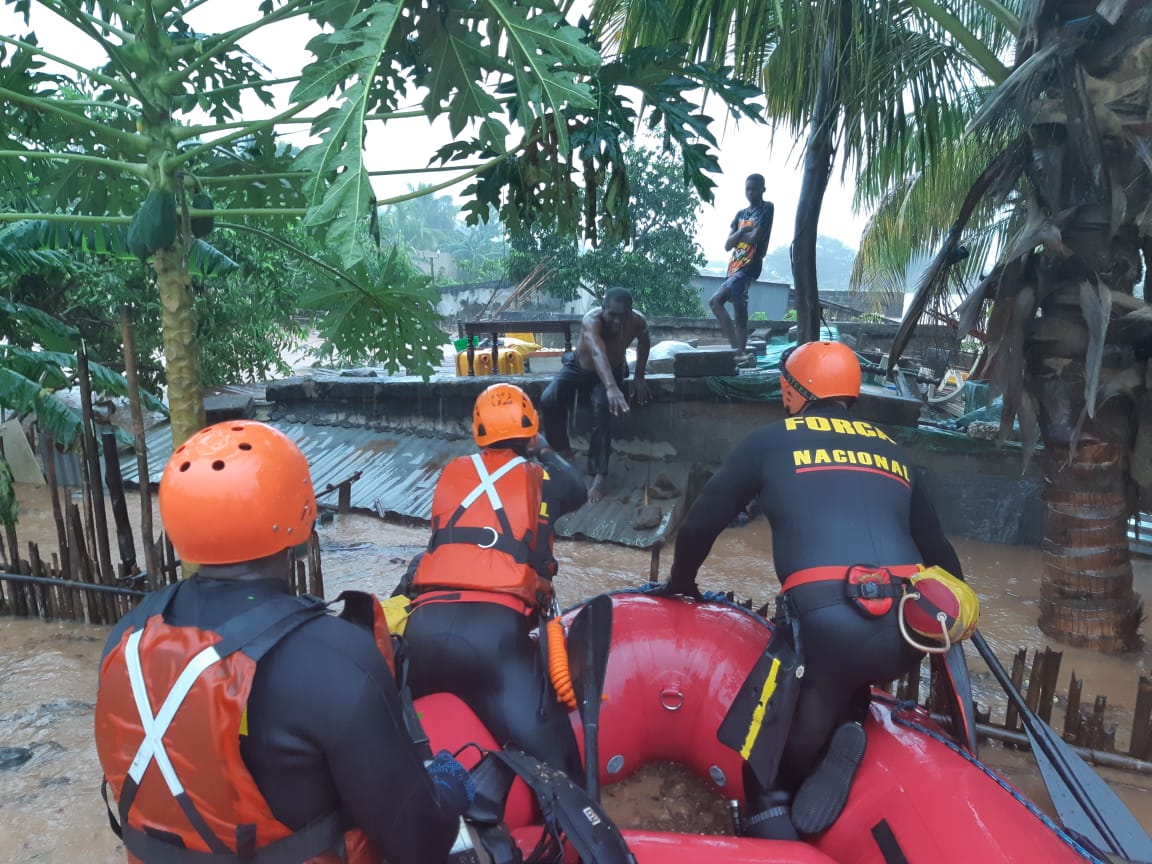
<point>236,491</point>
<point>818,370</point>
<point>503,412</point>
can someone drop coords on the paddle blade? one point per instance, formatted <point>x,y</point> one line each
<point>1083,801</point>
<point>952,674</point>
<point>589,641</point>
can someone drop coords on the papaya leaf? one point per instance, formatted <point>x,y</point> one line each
<point>546,54</point>
<point>451,60</point>
<point>341,190</point>
<point>385,315</point>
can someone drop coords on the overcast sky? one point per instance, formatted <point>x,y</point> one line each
<point>744,149</point>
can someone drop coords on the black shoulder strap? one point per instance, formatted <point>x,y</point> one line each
<point>568,809</point>
<point>257,630</point>
<point>359,607</point>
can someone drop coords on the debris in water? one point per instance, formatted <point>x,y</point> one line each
<point>13,757</point>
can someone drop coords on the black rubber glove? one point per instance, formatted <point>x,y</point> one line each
<point>453,781</point>
<point>666,589</point>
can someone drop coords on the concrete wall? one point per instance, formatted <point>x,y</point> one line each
<point>767,298</point>
<point>981,491</point>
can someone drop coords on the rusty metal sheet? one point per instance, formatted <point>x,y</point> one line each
<point>398,474</point>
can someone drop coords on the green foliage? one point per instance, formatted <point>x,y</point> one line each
<point>28,378</point>
<point>790,315</point>
<point>386,311</point>
<point>88,141</point>
<point>659,263</point>
<point>246,305</point>
<point>39,245</point>
<point>547,256</point>
<point>8,508</point>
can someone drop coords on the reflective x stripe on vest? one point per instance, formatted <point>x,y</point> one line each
<point>152,747</point>
<point>486,537</point>
<point>487,483</point>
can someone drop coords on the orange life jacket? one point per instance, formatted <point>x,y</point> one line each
<point>484,519</point>
<point>170,711</point>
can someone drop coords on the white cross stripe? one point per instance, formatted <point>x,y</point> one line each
<point>488,481</point>
<point>152,747</point>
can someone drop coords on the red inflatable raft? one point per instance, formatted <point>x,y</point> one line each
<point>675,666</point>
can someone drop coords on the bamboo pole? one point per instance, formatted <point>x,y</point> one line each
<point>49,459</point>
<point>1096,757</point>
<point>92,460</point>
<point>125,542</point>
<point>128,337</point>
<point>71,585</point>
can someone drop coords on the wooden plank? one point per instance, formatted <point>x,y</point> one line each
<point>1141,718</point>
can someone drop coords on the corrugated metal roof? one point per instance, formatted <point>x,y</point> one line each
<point>399,470</point>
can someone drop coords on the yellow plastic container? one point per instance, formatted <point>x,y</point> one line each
<point>511,362</point>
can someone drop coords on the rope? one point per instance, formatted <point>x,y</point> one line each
<point>558,664</point>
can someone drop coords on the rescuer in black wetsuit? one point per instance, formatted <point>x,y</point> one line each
<point>318,742</point>
<point>480,587</point>
<point>837,492</point>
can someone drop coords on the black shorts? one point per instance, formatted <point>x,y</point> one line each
<point>737,285</point>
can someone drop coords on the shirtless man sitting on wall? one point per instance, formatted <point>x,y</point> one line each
<point>598,367</point>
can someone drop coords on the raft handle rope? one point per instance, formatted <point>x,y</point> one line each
<point>558,670</point>
<point>920,646</point>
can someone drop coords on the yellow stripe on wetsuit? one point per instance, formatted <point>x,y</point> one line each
<point>761,707</point>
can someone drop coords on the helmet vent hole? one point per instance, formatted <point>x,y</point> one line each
<point>185,466</point>
<point>480,430</point>
<point>237,428</point>
<point>525,421</point>
<point>244,445</point>
<point>218,465</point>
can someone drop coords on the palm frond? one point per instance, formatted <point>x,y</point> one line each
<point>1007,164</point>
<point>915,217</point>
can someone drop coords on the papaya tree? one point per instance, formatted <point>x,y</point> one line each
<point>161,122</point>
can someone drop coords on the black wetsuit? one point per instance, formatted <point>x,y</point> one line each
<point>325,727</point>
<point>837,492</point>
<point>483,653</point>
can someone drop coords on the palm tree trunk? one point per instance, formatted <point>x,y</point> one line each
<point>1086,594</point>
<point>181,350</point>
<point>819,153</point>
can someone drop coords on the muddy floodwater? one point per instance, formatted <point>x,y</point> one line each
<point>50,807</point>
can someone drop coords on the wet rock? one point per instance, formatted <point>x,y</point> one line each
<point>13,757</point>
<point>647,516</point>
<point>663,487</point>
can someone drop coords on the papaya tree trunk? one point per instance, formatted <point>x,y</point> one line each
<point>181,350</point>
